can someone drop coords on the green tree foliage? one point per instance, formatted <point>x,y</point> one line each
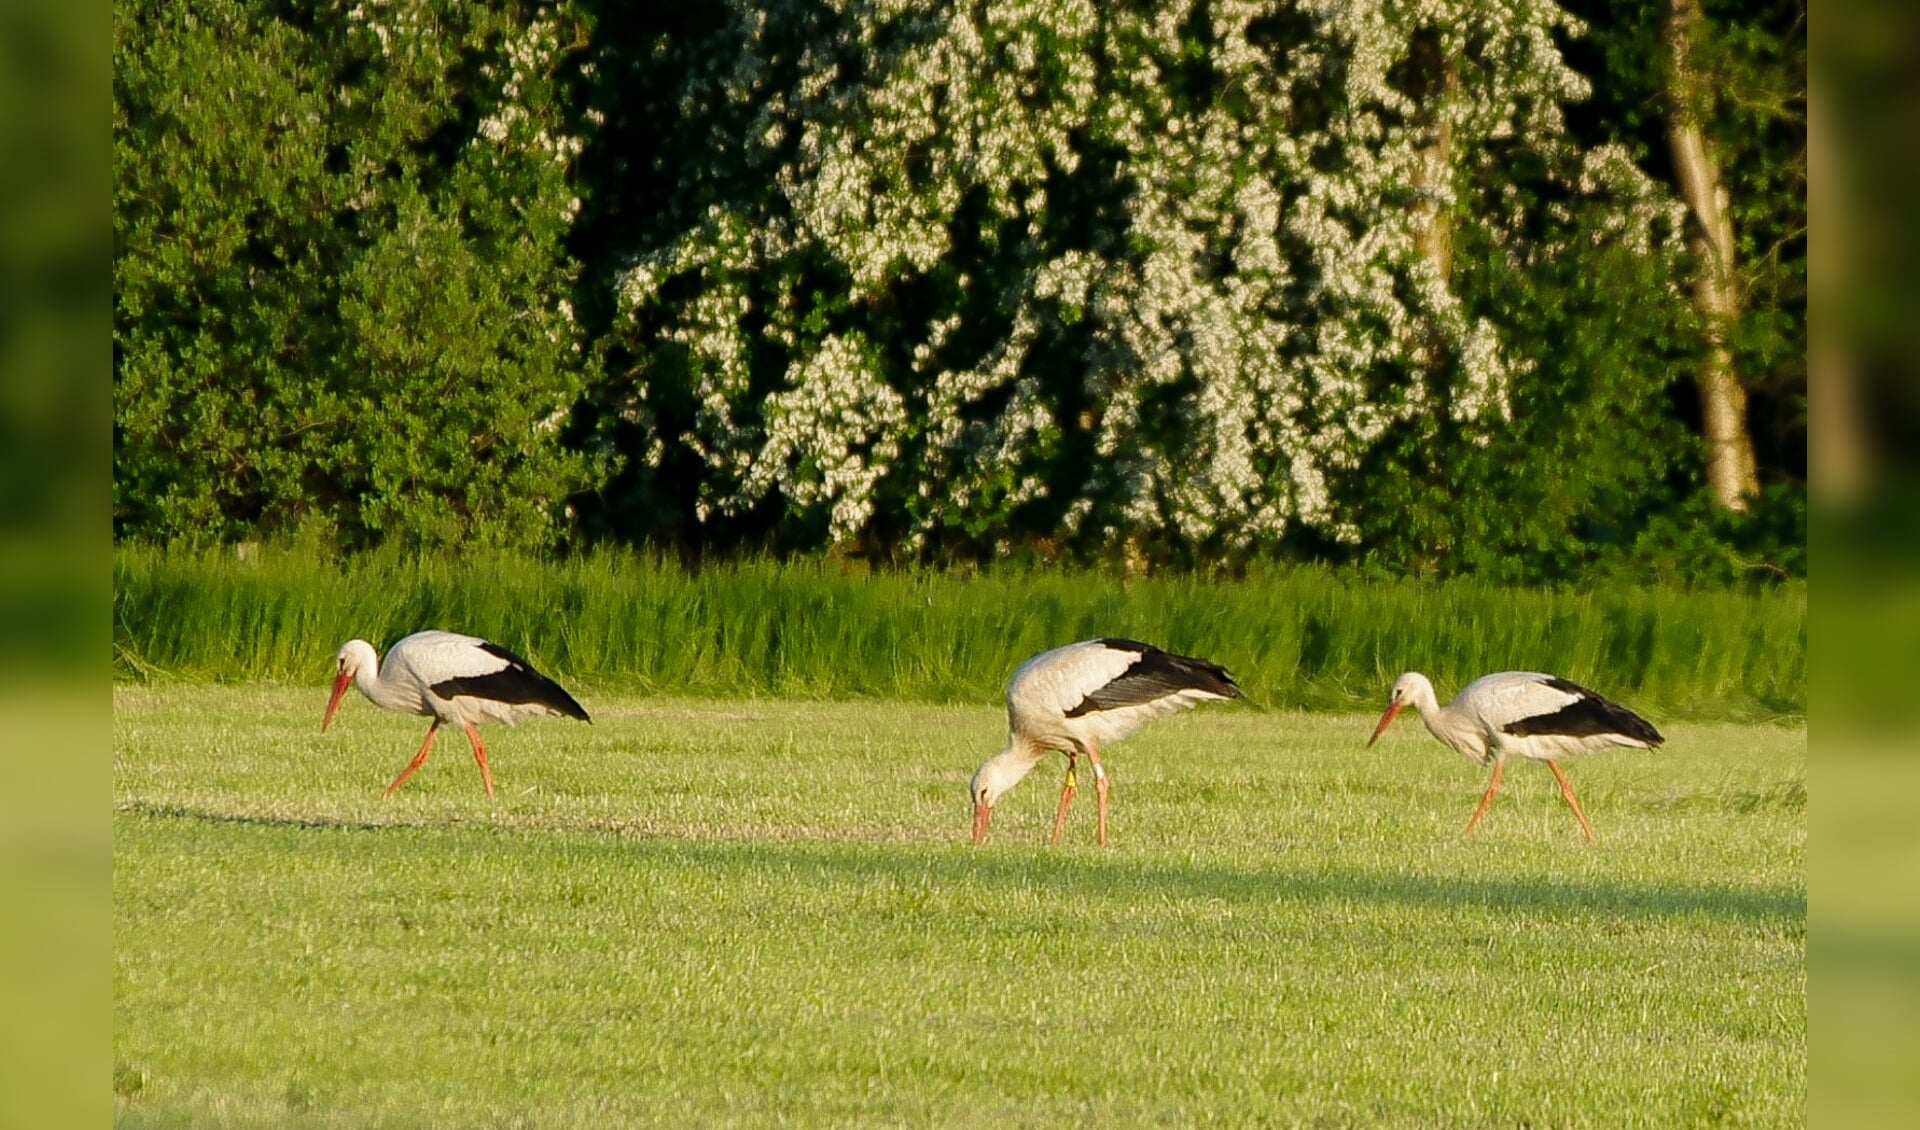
<point>1195,282</point>
<point>1150,277</point>
<point>1590,442</point>
<point>1753,56</point>
<point>340,280</point>
<point>1760,61</point>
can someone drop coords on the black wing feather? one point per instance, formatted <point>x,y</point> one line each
<point>1588,714</point>
<point>1155,675</point>
<point>516,683</point>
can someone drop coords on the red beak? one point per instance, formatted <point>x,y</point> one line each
<point>1385,721</point>
<point>981,814</point>
<point>340,686</point>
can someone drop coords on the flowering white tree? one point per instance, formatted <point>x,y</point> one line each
<point>1163,272</point>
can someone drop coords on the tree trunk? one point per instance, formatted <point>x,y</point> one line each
<point>1723,400</point>
<point>1432,216</point>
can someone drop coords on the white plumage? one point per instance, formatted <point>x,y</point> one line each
<point>1524,714</point>
<point>1076,698</point>
<point>453,678</point>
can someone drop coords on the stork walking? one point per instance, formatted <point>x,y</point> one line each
<point>452,678</point>
<point>1077,698</point>
<point>1523,713</point>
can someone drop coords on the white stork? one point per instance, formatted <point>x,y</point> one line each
<point>451,678</point>
<point>1077,698</point>
<point>1540,717</point>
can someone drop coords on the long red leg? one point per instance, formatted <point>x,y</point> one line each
<point>1066,797</point>
<point>419,759</point>
<point>480,755</point>
<point>1486,800</point>
<point>1566,790</point>
<point>1100,789</point>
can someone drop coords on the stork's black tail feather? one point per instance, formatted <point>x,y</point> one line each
<point>1156,674</point>
<point>516,683</point>
<point>1588,714</point>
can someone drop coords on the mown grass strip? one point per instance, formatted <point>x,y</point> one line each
<point>727,913</point>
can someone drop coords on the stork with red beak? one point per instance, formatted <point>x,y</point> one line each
<point>1523,713</point>
<point>450,678</point>
<point>1077,698</point>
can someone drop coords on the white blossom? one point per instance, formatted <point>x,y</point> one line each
<point>1247,323</point>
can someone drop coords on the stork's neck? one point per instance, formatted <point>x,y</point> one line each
<point>389,696</point>
<point>1443,722</point>
<point>1010,766</point>
<point>1020,756</point>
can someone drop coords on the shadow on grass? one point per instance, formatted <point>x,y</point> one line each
<point>1074,875</point>
<point>255,820</point>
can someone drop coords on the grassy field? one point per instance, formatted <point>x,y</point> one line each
<point>754,913</point>
<point>1297,638</point>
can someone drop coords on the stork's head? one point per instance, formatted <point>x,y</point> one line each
<point>1408,690</point>
<point>353,657</point>
<point>995,776</point>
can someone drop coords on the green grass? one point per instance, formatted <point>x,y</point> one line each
<point>754,913</point>
<point>1295,638</point>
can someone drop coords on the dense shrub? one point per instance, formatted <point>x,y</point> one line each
<point>340,290</point>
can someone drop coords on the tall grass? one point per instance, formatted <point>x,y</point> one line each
<point>1296,637</point>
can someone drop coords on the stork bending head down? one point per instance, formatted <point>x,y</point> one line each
<point>1075,699</point>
